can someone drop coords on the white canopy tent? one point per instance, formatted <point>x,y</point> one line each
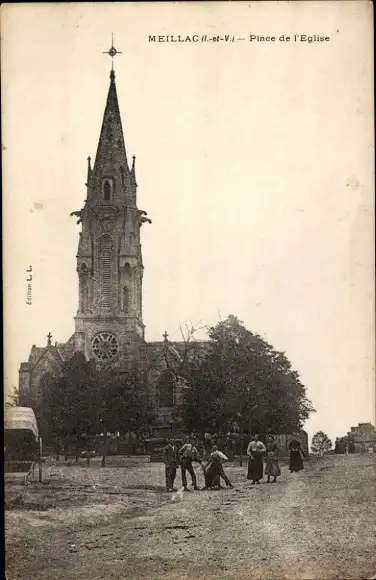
<point>21,418</point>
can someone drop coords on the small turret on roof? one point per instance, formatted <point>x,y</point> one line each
<point>89,171</point>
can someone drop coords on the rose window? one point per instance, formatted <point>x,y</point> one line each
<point>105,346</point>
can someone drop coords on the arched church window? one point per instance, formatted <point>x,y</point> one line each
<point>107,190</point>
<point>166,389</point>
<point>122,176</point>
<point>125,299</point>
<point>45,385</point>
<point>83,276</point>
<point>86,300</point>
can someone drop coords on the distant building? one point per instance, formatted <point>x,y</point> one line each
<point>283,442</point>
<point>362,438</point>
<point>341,445</point>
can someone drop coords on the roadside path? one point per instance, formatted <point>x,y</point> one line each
<point>315,525</point>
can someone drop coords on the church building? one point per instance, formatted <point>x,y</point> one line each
<point>109,326</point>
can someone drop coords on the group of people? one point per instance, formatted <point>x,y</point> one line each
<point>213,469</point>
<point>185,456</point>
<point>257,451</point>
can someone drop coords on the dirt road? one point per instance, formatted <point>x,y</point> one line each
<point>87,523</point>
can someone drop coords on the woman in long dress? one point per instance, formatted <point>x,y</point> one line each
<point>296,461</point>
<point>255,451</point>
<point>272,454</point>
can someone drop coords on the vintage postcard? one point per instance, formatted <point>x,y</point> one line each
<point>189,290</point>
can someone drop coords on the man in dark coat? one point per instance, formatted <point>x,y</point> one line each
<point>170,458</point>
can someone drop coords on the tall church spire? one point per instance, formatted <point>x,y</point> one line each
<point>109,325</point>
<point>111,154</point>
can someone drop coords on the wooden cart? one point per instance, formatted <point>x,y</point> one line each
<point>22,444</point>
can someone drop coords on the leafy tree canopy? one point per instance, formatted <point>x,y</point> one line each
<point>83,400</point>
<point>242,376</point>
<point>125,401</point>
<point>321,443</point>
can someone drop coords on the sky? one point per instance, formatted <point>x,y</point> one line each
<point>254,161</point>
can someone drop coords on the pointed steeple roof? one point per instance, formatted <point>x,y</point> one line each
<point>111,148</point>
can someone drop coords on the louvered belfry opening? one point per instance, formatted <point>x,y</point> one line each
<point>106,258</point>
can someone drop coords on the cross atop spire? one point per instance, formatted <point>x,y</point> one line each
<point>112,52</point>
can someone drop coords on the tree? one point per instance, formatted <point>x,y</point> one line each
<point>83,402</point>
<point>178,356</point>
<point>70,406</point>
<point>240,374</point>
<point>165,387</point>
<point>125,403</point>
<point>13,399</point>
<point>321,443</point>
